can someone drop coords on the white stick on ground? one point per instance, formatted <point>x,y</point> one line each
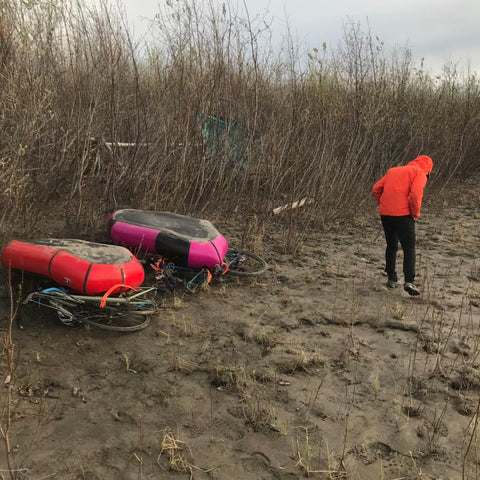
<point>292,206</point>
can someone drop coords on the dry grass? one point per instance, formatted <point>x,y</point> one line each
<point>325,133</point>
<point>174,450</point>
<point>10,357</point>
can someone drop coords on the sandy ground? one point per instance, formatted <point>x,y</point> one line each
<point>315,369</point>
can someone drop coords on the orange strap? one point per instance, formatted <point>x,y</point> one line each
<point>209,277</point>
<point>225,267</point>
<point>103,302</point>
<point>208,280</point>
<point>158,264</point>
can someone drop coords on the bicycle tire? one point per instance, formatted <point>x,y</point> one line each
<point>245,264</point>
<point>116,322</point>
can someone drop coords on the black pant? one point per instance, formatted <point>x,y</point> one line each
<point>399,229</point>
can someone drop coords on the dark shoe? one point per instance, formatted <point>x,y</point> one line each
<point>411,289</point>
<point>392,284</point>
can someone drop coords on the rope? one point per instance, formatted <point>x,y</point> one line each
<point>222,269</point>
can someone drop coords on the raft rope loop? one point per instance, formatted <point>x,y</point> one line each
<point>103,301</point>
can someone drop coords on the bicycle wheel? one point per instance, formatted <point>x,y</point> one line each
<point>120,314</point>
<point>113,319</point>
<point>245,264</point>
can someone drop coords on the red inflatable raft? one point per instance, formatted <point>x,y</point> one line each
<point>85,267</point>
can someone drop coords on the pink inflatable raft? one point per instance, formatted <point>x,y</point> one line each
<point>185,241</point>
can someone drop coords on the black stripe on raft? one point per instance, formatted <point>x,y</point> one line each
<point>173,248</point>
<point>220,259</point>
<point>86,278</point>
<point>50,262</point>
<point>122,273</point>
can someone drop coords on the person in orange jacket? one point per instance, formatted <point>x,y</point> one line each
<point>399,197</point>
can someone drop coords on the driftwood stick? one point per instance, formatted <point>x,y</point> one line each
<point>292,206</point>
<point>125,144</point>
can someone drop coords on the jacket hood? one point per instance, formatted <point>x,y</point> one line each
<point>424,162</point>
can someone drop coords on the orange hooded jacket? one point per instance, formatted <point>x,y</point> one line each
<point>400,191</point>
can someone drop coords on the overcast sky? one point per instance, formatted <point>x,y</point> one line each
<point>440,31</point>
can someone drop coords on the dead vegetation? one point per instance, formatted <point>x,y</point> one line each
<point>205,119</point>
<point>309,366</point>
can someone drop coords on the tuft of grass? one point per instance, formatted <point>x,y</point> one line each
<point>398,311</point>
<point>184,366</point>
<point>264,335</point>
<point>177,303</point>
<point>295,358</point>
<point>172,448</point>
<point>128,363</point>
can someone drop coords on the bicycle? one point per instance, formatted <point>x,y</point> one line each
<point>129,312</point>
<point>236,263</point>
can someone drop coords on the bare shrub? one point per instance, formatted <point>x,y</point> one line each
<point>216,122</point>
